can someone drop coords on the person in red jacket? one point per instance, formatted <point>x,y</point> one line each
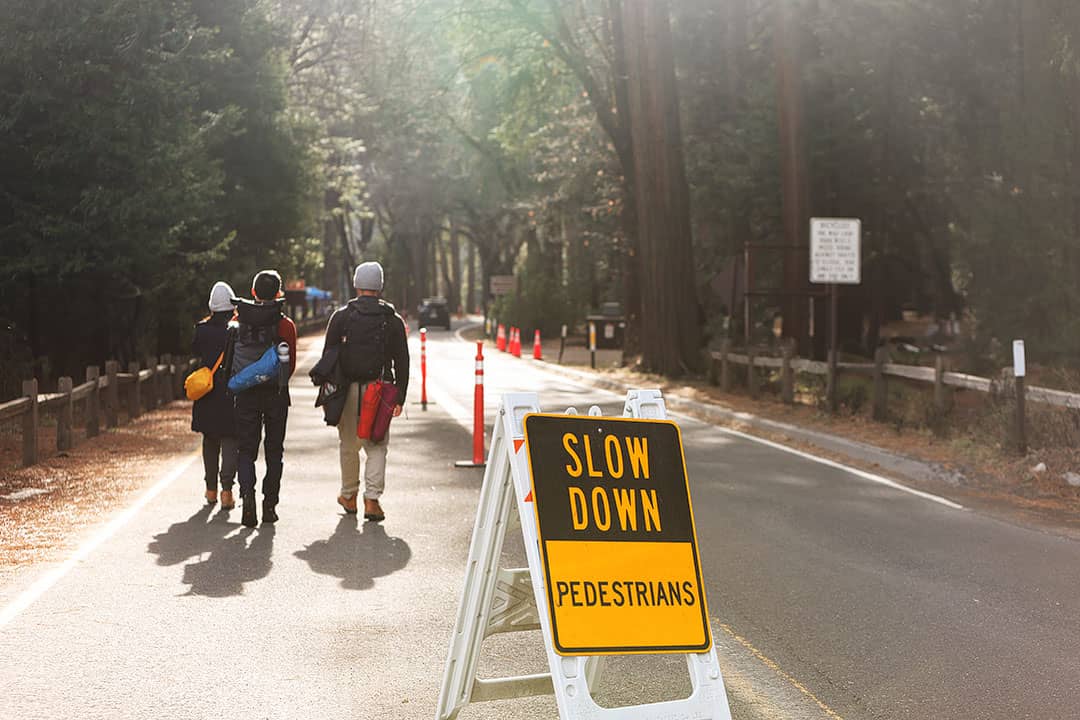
<point>263,409</point>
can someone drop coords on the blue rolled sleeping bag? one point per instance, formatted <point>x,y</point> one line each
<point>261,371</point>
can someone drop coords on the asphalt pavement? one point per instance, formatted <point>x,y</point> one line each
<point>831,596</point>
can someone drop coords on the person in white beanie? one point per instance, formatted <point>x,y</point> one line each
<point>368,337</point>
<point>213,414</point>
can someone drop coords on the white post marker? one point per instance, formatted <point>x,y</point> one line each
<point>604,510</point>
<point>1019,361</point>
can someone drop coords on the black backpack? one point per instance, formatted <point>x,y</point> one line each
<point>363,340</point>
<point>257,331</point>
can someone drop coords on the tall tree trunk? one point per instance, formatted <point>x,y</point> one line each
<point>455,270</point>
<point>450,288</point>
<point>470,279</point>
<point>793,172</point>
<point>628,218</point>
<point>670,327</point>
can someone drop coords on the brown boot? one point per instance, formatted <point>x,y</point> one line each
<point>227,501</point>
<point>211,497</point>
<point>372,510</point>
<point>348,503</point>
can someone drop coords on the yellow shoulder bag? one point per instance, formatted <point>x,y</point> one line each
<point>201,382</point>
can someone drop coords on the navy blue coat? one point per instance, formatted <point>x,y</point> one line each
<point>213,414</point>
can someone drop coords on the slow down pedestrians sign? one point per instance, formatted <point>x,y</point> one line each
<point>617,536</point>
<point>604,582</point>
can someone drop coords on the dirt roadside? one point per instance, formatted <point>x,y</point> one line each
<point>46,509</point>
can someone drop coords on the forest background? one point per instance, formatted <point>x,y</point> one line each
<point>600,150</point>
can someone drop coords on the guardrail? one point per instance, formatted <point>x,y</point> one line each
<point>720,373</point>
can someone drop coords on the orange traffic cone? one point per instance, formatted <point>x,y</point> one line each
<point>516,350</point>
<point>538,353</point>
<point>500,338</point>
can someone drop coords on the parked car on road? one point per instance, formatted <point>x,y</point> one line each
<point>434,313</point>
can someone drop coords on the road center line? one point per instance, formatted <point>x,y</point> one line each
<point>772,665</point>
<point>49,579</point>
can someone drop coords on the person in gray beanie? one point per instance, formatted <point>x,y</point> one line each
<point>368,337</point>
<point>213,414</point>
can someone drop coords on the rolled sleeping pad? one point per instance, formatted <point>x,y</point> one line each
<point>388,400</point>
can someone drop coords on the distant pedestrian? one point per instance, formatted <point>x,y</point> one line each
<point>213,414</point>
<point>263,408</point>
<point>369,339</point>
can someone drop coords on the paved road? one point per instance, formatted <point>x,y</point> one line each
<point>881,603</point>
<point>832,597</point>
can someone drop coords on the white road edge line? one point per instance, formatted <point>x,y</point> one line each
<point>777,446</point>
<point>457,412</point>
<point>42,585</point>
<point>49,579</point>
<point>846,468</point>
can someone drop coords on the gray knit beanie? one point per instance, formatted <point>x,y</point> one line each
<point>221,297</point>
<point>368,276</point>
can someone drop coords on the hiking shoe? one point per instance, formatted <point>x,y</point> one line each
<point>373,511</point>
<point>211,497</point>
<point>348,503</point>
<point>269,514</point>
<point>227,502</point>
<point>250,517</point>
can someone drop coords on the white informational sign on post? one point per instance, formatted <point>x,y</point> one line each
<point>502,284</point>
<point>836,251</point>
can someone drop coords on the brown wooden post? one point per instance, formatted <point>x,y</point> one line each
<point>751,373</point>
<point>30,423</point>
<point>165,389</point>
<point>1021,415</point>
<point>711,374</point>
<point>152,395</point>
<point>112,394</point>
<point>881,385</point>
<point>725,366</point>
<point>66,417</point>
<point>832,388</point>
<point>1019,372</point>
<point>135,396</point>
<point>179,376</point>
<point>830,383</point>
<point>940,396</point>
<point>787,375</point>
<point>93,402</point>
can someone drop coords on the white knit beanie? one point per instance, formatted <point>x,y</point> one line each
<point>368,276</point>
<point>221,297</point>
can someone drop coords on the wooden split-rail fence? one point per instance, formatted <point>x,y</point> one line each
<point>721,372</point>
<point>107,399</point>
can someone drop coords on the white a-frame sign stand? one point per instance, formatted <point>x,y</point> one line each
<point>496,600</point>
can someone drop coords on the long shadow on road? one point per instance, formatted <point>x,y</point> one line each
<point>228,557</point>
<point>357,554</point>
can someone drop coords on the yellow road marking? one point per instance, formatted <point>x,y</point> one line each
<point>779,671</point>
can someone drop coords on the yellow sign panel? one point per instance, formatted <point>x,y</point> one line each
<point>617,536</point>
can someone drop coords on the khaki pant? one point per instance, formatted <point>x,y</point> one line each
<point>350,447</point>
